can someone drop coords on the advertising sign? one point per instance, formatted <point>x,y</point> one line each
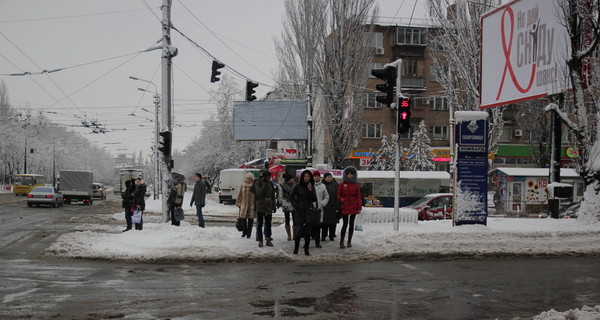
<point>270,120</point>
<point>524,49</point>
<point>470,193</point>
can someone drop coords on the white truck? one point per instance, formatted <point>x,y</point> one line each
<point>128,174</point>
<point>230,181</point>
<point>76,186</point>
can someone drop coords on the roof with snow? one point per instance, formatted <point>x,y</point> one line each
<point>375,174</point>
<point>536,172</point>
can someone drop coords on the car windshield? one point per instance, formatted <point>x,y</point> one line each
<point>420,203</point>
<point>42,189</point>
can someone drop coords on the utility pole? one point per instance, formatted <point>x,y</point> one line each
<point>168,52</point>
<point>398,65</point>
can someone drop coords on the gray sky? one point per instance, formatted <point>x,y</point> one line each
<point>83,35</point>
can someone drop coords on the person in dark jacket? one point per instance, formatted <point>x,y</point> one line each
<point>175,199</point>
<point>285,189</point>
<point>350,200</point>
<point>330,211</point>
<point>127,202</point>
<point>139,201</point>
<point>302,197</point>
<point>199,197</point>
<point>264,195</point>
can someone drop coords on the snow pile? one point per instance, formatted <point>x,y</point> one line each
<point>586,313</point>
<point>502,237</point>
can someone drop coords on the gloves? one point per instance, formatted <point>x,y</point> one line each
<point>191,203</point>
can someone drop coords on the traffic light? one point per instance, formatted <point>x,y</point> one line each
<point>164,145</point>
<point>250,90</point>
<point>404,115</point>
<point>389,76</point>
<point>216,65</point>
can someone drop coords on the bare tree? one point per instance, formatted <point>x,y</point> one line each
<point>582,19</point>
<point>323,57</point>
<point>457,56</point>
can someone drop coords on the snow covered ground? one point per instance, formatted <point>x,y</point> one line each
<point>502,237</point>
<point>161,242</point>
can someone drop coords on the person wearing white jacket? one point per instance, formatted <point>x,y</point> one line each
<point>322,200</point>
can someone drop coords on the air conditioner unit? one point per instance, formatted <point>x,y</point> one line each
<point>426,102</point>
<point>518,133</point>
<point>379,50</point>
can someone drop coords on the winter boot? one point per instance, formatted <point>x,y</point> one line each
<point>269,243</point>
<point>342,242</point>
<point>350,239</point>
<point>249,228</point>
<point>260,244</point>
<point>287,229</point>
<point>306,244</point>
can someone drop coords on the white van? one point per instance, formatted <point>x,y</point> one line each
<point>230,181</point>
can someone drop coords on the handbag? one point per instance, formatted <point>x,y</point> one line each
<point>178,214</point>
<point>313,215</point>
<point>137,216</point>
<point>238,224</point>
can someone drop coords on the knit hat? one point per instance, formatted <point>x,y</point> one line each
<point>250,175</point>
<point>287,177</point>
<point>327,174</point>
<point>316,173</point>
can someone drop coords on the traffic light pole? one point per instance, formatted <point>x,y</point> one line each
<point>168,52</point>
<point>398,65</point>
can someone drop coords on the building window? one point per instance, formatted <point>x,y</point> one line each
<point>439,103</point>
<point>409,68</point>
<point>415,36</point>
<point>506,135</point>
<point>438,132</point>
<point>371,102</point>
<point>375,65</point>
<point>436,72</point>
<point>531,136</point>
<point>372,130</point>
<point>374,39</point>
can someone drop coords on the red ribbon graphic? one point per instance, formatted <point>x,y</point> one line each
<point>506,49</point>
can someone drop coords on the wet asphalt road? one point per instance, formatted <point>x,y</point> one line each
<point>36,287</point>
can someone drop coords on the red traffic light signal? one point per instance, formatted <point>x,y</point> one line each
<point>404,115</point>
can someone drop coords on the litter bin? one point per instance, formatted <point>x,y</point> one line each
<point>553,208</point>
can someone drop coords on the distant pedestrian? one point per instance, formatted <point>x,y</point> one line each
<point>245,201</point>
<point>139,201</point>
<point>127,202</point>
<point>349,196</point>
<point>302,197</point>
<point>322,200</point>
<point>285,189</point>
<point>175,199</point>
<point>265,207</point>
<point>331,210</point>
<point>199,197</point>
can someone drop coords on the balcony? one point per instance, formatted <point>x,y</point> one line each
<point>413,83</point>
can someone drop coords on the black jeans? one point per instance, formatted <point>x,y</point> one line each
<point>128,215</point>
<point>247,227</point>
<point>259,225</point>
<point>172,215</point>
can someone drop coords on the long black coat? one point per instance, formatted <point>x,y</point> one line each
<point>330,211</point>
<point>139,196</point>
<point>301,198</point>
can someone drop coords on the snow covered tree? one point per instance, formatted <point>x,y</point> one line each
<point>420,153</point>
<point>322,54</point>
<point>457,60</point>
<point>384,159</point>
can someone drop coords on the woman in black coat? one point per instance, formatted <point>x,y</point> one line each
<point>139,202</point>
<point>302,197</point>
<point>330,211</point>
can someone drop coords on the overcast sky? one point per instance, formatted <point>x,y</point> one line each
<point>98,43</point>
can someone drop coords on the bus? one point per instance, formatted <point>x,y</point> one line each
<point>25,182</point>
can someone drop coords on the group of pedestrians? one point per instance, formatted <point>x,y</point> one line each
<point>259,199</point>
<point>133,198</point>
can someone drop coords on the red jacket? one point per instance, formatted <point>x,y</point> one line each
<point>350,198</point>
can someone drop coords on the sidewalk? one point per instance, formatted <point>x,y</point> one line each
<point>161,242</point>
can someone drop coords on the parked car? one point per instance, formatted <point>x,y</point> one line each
<point>117,189</point>
<point>99,191</point>
<point>45,195</point>
<point>434,206</point>
<point>570,212</point>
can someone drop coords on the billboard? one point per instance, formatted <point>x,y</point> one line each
<point>524,50</point>
<point>270,120</point>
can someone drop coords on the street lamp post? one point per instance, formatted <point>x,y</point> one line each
<point>156,154</point>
